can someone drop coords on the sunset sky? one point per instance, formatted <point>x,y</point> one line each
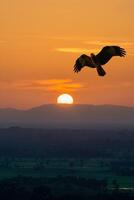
<point>41,39</point>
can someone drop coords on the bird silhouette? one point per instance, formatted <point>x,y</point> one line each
<point>96,61</point>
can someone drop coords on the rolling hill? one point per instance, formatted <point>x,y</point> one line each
<point>69,116</point>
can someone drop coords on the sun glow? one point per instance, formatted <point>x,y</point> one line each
<point>65,99</point>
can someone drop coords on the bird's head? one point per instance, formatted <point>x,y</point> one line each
<point>92,54</point>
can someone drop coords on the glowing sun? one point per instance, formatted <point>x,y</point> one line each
<point>65,99</point>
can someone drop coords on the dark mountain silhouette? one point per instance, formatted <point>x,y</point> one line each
<point>68,116</point>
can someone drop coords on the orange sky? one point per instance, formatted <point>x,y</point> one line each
<point>40,40</point>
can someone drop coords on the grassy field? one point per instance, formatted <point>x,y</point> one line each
<point>88,168</point>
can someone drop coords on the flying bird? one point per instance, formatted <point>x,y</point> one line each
<point>96,61</point>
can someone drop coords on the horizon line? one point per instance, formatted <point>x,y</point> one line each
<point>65,105</point>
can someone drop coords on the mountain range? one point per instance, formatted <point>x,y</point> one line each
<point>69,116</point>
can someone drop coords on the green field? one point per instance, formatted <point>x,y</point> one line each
<point>87,168</point>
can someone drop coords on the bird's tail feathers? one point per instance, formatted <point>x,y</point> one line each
<point>100,70</point>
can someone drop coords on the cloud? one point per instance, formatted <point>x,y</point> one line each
<point>104,43</point>
<point>59,85</point>
<point>49,85</point>
<point>124,85</point>
<point>128,45</point>
<point>75,50</point>
<point>95,45</point>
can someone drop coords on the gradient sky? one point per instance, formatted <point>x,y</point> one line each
<point>41,39</point>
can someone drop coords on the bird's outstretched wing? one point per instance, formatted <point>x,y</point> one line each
<point>81,62</point>
<point>108,52</point>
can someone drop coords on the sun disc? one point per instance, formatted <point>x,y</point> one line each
<point>65,99</point>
